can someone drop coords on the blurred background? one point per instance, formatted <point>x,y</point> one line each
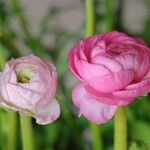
<point>48,29</point>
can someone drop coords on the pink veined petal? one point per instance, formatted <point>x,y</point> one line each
<point>90,107</point>
<point>71,64</point>
<point>144,57</point>
<point>113,65</point>
<point>107,98</point>
<point>98,48</point>
<point>133,93</point>
<point>93,40</point>
<point>117,37</point>
<point>112,82</point>
<point>48,113</point>
<point>79,50</point>
<point>19,96</point>
<point>137,59</point>
<point>90,43</point>
<point>35,86</point>
<point>88,70</point>
<point>26,59</point>
<point>129,61</point>
<point>141,84</point>
<point>147,75</point>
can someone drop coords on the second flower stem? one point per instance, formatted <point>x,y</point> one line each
<point>96,135</point>
<point>90,17</point>
<point>27,133</point>
<point>11,128</point>
<point>90,29</point>
<point>120,135</point>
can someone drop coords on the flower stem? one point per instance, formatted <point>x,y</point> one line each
<point>120,133</point>
<point>90,17</point>
<point>11,130</point>
<point>90,29</point>
<point>9,122</point>
<point>96,135</point>
<point>27,133</point>
<point>108,16</point>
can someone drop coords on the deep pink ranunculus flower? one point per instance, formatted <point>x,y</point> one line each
<point>28,85</point>
<point>113,70</point>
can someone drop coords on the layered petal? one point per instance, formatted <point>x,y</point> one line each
<point>72,65</point>
<point>119,38</point>
<point>137,59</point>
<point>88,71</point>
<point>113,65</point>
<point>134,90</point>
<point>108,98</point>
<point>90,107</point>
<point>112,82</point>
<point>141,84</point>
<point>47,113</point>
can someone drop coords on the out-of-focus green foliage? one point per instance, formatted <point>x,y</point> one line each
<point>137,146</point>
<point>69,131</point>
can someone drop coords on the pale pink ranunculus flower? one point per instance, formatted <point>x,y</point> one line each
<point>113,70</point>
<point>28,85</point>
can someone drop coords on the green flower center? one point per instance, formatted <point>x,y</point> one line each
<point>24,76</point>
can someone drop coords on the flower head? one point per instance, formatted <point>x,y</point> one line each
<point>28,85</point>
<point>113,69</point>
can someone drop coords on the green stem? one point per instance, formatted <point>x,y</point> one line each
<point>96,135</point>
<point>11,130</point>
<point>108,16</point>
<point>120,131</point>
<point>90,17</point>
<point>90,29</point>
<point>10,121</point>
<point>27,133</point>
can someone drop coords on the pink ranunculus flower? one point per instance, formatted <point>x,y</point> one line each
<point>28,85</point>
<point>113,69</point>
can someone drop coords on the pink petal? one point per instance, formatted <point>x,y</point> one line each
<point>136,59</point>
<point>98,48</point>
<point>72,66</point>
<point>48,113</point>
<point>147,75</point>
<point>128,61</point>
<point>88,70</point>
<point>141,84</point>
<point>134,90</point>
<point>113,65</point>
<point>19,96</point>
<point>79,50</point>
<point>108,98</point>
<point>90,107</point>
<point>117,38</point>
<point>112,82</point>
